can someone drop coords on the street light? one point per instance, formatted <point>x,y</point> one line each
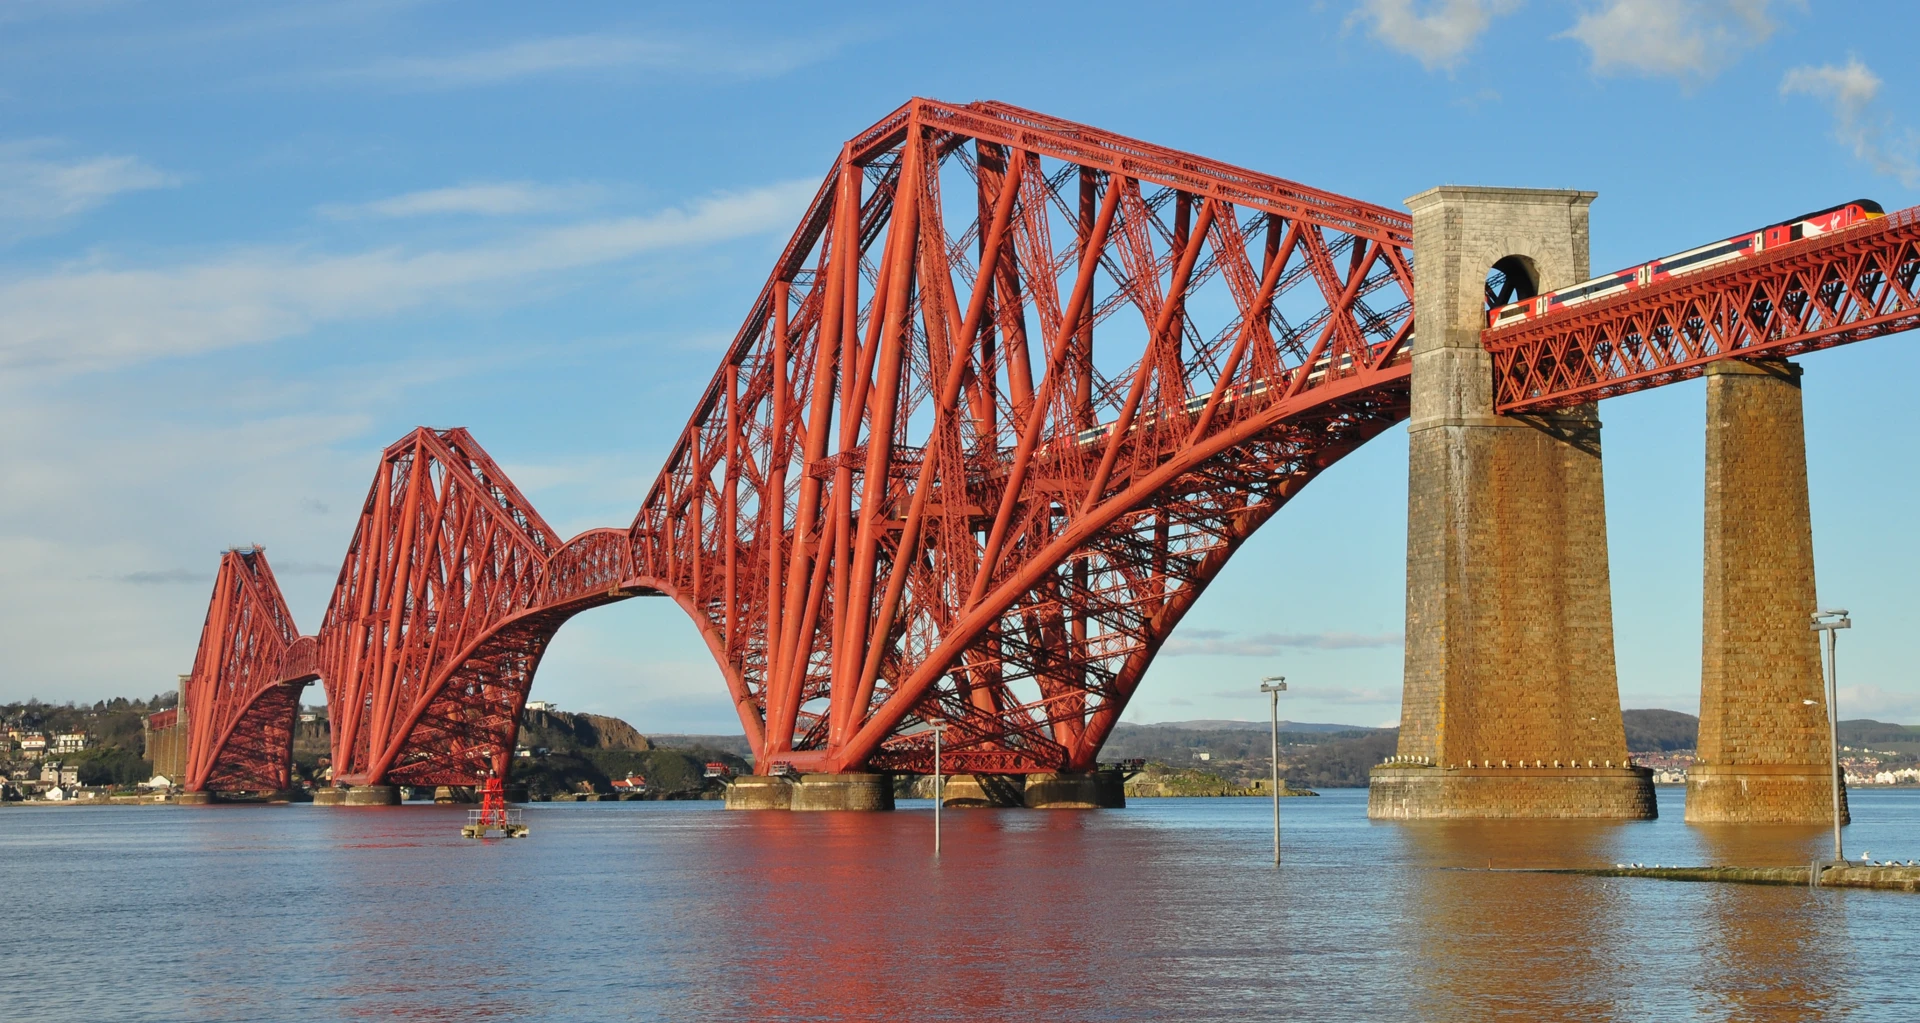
<point>1831,621</point>
<point>939,788</point>
<point>1273,686</point>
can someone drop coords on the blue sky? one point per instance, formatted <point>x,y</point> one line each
<point>245,246</point>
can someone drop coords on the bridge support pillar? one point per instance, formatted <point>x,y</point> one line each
<point>373,795</point>
<point>1509,655</point>
<point>1763,750</point>
<point>193,798</point>
<point>759,792</point>
<point>843,792</point>
<point>1088,790</point>
<point>329,795</point>
<point>984,790</point>
<point>853,791</point>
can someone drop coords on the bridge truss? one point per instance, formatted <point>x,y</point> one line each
<point>1013,394</point>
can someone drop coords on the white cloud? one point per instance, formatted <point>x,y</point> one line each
<point>492,199</point>
<point>1220,643</point>
<point>1438,33</point>
<point>38,190</point>
<point>92,318</point>
<point>1678,38</point>
<point>1345,696</point>
<point>1880,704</point>
<point>165,576</point>
<point>585,53</point>
<point>1850,91</point>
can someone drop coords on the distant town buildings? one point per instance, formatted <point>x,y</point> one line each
<point>71,742</point>
<point>542,705</point>
<point>1862,767</point>
<point>55,773</point>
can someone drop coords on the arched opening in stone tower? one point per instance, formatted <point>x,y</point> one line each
<point>1511,279</point>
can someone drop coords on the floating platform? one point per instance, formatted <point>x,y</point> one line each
<point>484,824</point>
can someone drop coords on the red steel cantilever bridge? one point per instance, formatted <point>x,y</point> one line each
<point>1015,391</point>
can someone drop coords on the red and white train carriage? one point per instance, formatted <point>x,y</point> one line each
<point>1740,246</point>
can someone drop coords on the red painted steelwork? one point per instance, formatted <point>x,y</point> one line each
<point>247,677</point>
<point>1804,296</point>
<point>896,504</point>
<point>1012,396</point>
<point>451,590</point>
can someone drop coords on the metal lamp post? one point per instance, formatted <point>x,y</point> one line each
<point>1831,621</point>
<point>939,789</point>
<point>1273,686</point>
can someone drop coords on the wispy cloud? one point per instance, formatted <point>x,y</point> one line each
<point>595,53</point>
<point>164,577</point>
<point>1878,703</point>
<point>304,568</point>
<point>98,318</point>
<point>1850,91</point>
<point>1674,38</point>
<point>1437,33</point>
<point>39,188</point>
<point>1220,643</point>
<point>1341,695</point>
<point>495,199</point>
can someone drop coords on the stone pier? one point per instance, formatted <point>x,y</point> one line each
<point>373,795</point>
<point>1069,790</point>
<point>810,792</point>
<point>1511,705</point>
<point>1763,750</point>
<point>968,791</point>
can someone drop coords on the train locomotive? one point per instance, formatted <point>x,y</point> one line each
<point>1740,246</point>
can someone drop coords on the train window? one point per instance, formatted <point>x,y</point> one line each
<point>1512,279</point>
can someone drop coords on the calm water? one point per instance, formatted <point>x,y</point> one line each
<point>1166,910</point>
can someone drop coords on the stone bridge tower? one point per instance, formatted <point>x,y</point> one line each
<point>1511,704</point>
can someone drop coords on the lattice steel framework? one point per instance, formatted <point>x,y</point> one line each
<point>1015,391</point>
<point>1801,297</point>
<point>451,590</point>
<point>247,677</point>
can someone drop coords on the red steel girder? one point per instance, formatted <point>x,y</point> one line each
<point>888,508</point>
<point>451,589</point>
<point>245,687</point>
<point>1802,297</point>
<point>1013,394</point>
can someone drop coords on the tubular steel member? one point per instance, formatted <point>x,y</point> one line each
<point>1014,393</point>
<point>244,692</point>
<point>1011,397</point>
<point>451,590</point>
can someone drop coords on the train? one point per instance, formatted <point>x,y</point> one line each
<point>1740,246</point>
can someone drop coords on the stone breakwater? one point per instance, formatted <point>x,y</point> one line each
<point>1889,878</point>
